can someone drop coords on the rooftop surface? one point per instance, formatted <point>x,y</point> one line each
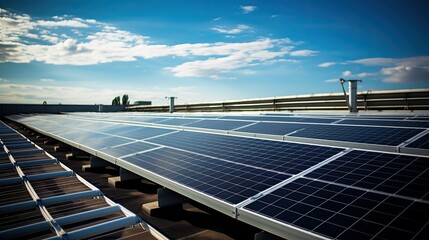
<point>295,176</point>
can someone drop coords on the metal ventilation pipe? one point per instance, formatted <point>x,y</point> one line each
<point>353,95</point>
<point>171,99</point>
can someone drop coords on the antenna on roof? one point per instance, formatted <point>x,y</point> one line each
<point>351,101</point>
<point>171,103</point>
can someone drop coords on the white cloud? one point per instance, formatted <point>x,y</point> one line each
<point>326,64</point>
<point>274,16</point>
<point>217,19</point>
<point>103,43</point>
<point>302,53</point>
<point>62,23</point>
<point>3,80</point>
<point>365,74</point>
<point>248,72</point>
<point>400,70</point>
<point>248,9</point>
<point>216,77</point>
<point>47,80</point>
<point>332,80</point>
<point>240,28</point>
<point>405,74</point>
<point>347,73</point>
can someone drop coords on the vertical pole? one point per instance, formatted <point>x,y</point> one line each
<point>353,95</point>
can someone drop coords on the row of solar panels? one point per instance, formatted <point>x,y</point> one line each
<point>41,198</point>
<point>382,137</point>
<point>293,190</point>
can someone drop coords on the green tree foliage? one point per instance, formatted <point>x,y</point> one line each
<point>125,100</point>
<point>116,101</point>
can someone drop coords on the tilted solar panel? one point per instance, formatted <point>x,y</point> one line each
<point>342,212</point>
<point>279,156</point>
<point>396,123</point>
<point>391,173</point>
<point>221,179</point>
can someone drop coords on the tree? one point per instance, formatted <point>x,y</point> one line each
<point>125,100</point>
<point>116,101</point>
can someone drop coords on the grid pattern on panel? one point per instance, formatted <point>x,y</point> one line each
<point>422,142</point>
<point>177,121</point>
<point>227,181</point>
<point>404,123</point>
<point>391,173</point>
<point>282,119</point>
<point>138,133</point>
<point>103,142</point>
<point>279,156</point>
<point>344,213</point>
<point>122,150</point>
<point>218,124</point>
<point>273,128</point>
<point>359,134</point>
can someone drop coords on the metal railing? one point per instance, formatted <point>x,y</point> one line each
<point>407,99</point>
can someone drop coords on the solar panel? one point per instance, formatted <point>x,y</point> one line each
<point>282,119</point>
<point>218,124</point>
<point>396,123</point>
<point>129,148</point>
<point>273,128</point>
<point>422,142</point>
<point>177,121</point>
<point>360,134</point>
<point>224,180</point>
<point>279,156</point>
<point>392,173</point>
<point>341,212</point>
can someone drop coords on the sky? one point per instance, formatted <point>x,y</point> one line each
<point>75,52</point>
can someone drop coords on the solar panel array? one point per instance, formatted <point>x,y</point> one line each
<point>41,198</point>
<point>291,189</point>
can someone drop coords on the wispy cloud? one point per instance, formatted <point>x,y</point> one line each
<point>326,64</point>
<point>238,29</point>
<point>332,80</point>
<point>248,9</point>
<point>302,53</point>
<point>217,19</point>
<point>104,43</point>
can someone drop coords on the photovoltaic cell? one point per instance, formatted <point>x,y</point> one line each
<point>274,155</point>
<point>218,124</point>
<point>390,173</point>
<point>273,128</point>
<point>139,132</point>
<point>282,119</point>
<point>422,142</point>
<point>344,213</point>
<point>224,180</point>
<point>125,149</point>
<point>402,123</point>
<point>177,121</point>
<point>360,134</point>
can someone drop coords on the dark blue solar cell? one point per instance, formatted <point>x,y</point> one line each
<point>129,148</point>
<point>273,128</point>
<point>391,173</point>
<point>422,142</point>
<point>218,124</point>
<point>230,182</point>
<point>393,123</point>
<point>274,155</point>
<point>368,214</point>
<point>360,134</point>
<point>282,119</point>
<point>177,121</point>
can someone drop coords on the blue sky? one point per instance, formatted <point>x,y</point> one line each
<point>91,51</point>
